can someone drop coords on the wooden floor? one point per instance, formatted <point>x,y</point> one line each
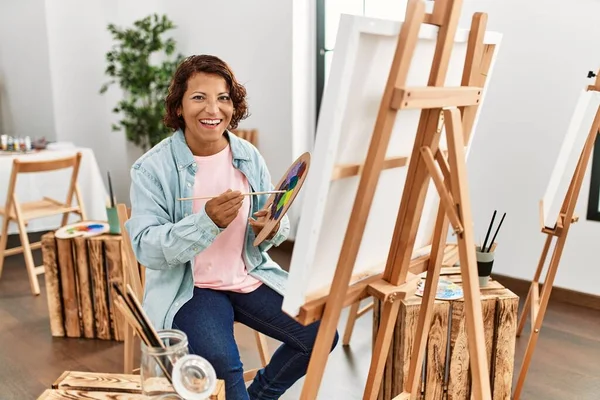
<point>565,365</point>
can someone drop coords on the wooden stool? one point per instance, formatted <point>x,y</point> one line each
<point>72,385</point>
<point>446,370</point>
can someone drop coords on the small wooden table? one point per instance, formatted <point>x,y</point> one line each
<point>446,371</point>
<point>73,385</point>
<point>78,274</point>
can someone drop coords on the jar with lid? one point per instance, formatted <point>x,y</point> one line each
<point>171,373</point>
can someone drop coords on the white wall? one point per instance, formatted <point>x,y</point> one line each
<point>304,88</point>
<point>25,89</point>
<point>78,41</point>
<point>256,40</point>
<point>547,49</point>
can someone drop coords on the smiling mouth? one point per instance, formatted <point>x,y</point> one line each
<point>210,123</point>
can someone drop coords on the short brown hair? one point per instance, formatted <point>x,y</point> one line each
<point>209,65</point>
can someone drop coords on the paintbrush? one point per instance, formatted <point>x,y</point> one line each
<point>122,306</point>
<point>487,235</point>
<point>132,311</point>
<point>137,311</point>
<point>496,233</point>
<point>243,194</point>
<point>110,189</point>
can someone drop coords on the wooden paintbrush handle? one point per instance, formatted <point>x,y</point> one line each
<point>243,194</point>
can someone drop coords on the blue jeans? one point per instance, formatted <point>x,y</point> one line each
<point>207,319</point>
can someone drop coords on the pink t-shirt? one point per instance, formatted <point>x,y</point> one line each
<point>221,265</point>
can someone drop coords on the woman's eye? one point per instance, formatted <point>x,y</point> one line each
<point>225,98</point>
<point>198,97</point>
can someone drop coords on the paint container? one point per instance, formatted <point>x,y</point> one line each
<point>485,261</point>
<point>113,221</point>
<point>193,377</point>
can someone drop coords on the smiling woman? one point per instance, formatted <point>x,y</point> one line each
<point>203,271</point>
<point>205,99</point>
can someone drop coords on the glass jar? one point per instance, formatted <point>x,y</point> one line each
<point>171,373</point>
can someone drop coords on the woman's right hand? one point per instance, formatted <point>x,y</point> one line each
<point>224,208</point>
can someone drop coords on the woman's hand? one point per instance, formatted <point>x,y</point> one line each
<point>259,223</point>
<point>224,208</point>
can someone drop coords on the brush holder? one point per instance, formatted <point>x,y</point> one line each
<point>113,221</point>
<point>193,377</point>
<point>485,262</point>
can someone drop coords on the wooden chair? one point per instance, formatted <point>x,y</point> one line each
<point>21,213</point>
<point>134,276</point>
<point>250,135</point>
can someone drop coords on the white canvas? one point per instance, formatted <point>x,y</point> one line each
<point>359,70</point>
<point>568,157</point>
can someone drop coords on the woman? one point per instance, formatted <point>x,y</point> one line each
<point>203,272</point>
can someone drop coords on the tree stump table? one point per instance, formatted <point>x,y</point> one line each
<point>78,275</point>
<point>445,373</point>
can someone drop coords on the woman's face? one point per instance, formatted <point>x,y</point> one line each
<point>206,107</point>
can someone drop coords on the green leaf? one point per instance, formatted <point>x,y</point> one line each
<point>143,83</point>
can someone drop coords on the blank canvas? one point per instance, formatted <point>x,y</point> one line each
<point>360,66</point>
<point>568,157</point>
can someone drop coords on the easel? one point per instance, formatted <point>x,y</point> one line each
<point>355,312</point>
<point>534,301</point>
<point>400,278</point>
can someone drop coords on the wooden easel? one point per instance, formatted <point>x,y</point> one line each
<point>355,312</point>
<point>400,278</point>
<point>535,303</point>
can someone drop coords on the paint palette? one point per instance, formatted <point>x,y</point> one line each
<point>279,203</point>
<point>446,290</point>
<point>83,229</point>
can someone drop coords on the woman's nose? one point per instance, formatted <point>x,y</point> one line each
<point>212,107</point>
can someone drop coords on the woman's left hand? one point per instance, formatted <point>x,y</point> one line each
<point>259,223</point>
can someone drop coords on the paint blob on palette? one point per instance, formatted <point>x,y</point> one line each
<point>83,228</point>
<point>446,290</point>
<point>279,203</point>
<point>289,184</point>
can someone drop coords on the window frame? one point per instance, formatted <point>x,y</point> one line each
<point>594,195</point>
<point>321,51</point>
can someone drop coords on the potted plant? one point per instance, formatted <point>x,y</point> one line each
<point>144,84</point>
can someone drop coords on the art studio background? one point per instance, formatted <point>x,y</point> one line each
<point>51,75</point>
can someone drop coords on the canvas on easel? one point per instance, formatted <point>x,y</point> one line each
<point>369,225</point>
<point>568,157</point>
<point>564,186</point>
<point>361,61</point>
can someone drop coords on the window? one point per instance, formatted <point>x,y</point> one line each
<point>328,18</point>
<point>593,208</point>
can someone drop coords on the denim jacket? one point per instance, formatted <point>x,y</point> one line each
<point>166,235</point>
